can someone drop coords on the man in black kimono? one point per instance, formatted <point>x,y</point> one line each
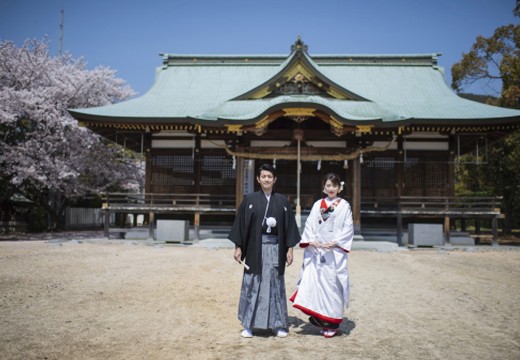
<point>264,233</point>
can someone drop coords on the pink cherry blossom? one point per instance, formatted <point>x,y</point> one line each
<point>44,154</point>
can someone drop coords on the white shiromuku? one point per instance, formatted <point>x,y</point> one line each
<point>323,287</point>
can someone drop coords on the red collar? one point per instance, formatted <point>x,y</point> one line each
<point>324,203</point>
<point>326,210</point>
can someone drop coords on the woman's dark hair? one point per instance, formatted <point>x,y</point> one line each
<point>266,167</point>
<point>333,177</point>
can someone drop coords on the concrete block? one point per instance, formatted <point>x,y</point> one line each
<point>173,230</point>
<point>461,238</point>
<point>425,234</point>
<point>137,234</point>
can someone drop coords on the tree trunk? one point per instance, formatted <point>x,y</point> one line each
<point>54,204</point>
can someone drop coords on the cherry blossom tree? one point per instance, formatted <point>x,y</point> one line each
<point>44,154</point>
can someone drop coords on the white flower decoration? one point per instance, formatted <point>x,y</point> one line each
<point>271,223</point>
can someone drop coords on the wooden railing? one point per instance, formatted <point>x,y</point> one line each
<point>151,203</point>
<point>431,205</point>
<point>175,203</point>
<point>445,208</point>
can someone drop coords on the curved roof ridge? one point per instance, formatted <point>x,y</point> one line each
<point>297,56</point>
<point>215,89</point>
<point>234,110</point>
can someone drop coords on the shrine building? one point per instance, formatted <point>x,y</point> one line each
<point>389,125</point>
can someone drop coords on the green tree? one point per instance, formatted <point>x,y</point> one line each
<point>496,58</point>
<point>501,174</point>
<point>491,59</point>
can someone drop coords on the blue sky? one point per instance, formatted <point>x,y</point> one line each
<point>129,35</point>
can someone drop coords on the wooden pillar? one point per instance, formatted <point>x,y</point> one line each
<point>451,165</point>
<point>399,224</point>
<point>494,226</point>
<point>151,225</point>
<point>148,156</point>
<point>196,226</point>
<point>147,142</point>
<point>450,183</point>
<point>107,223</point>
<point>356,195</point>
<point>239,181</point>
<point>446,229</point>
<point>400,188</point>
<point>197,158</point>
<point>400,167</point>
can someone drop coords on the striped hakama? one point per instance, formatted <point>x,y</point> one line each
<point>263,303</point>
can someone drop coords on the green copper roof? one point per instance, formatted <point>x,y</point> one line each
<point>227,89</point>
<point>253,109</point>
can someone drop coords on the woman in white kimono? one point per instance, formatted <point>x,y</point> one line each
<point>323,288</point>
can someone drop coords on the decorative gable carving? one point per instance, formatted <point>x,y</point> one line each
<point>300,76</point>
<point>298,85</point>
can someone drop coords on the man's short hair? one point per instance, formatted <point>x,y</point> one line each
<point>266,167</point>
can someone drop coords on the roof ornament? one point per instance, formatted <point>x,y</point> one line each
<point>299,45</point>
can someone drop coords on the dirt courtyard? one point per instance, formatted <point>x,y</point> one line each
<point>130,300</point>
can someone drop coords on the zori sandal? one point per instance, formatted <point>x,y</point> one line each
<point>328,333</point>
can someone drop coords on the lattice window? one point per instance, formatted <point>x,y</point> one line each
<point>425,178</point>
<point>414,174</point>
<point>379,172</point>
<point>217,171</point>
<point>170,170</point>
<point>436,175</point>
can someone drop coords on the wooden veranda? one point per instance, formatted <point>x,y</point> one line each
<point>443,208</point>
<point>152,204</point>
<point>446,208</point>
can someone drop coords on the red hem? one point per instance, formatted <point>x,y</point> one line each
<point>313,313</point>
